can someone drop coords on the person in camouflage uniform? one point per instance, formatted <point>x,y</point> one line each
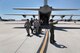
<point>52,40</point>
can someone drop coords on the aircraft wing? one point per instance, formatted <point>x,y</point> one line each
<point>62,9</point>
<point>23,14</point>
<point>38,15</point>
<point>26,9</point>
<point>66,15</point>
<point>54,9</point>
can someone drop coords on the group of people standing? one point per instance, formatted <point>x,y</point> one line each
<point>35,25</point>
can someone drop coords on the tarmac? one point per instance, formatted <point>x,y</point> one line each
<point>13,38</point>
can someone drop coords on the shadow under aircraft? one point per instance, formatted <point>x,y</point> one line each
<point>44,12</point>
<point>55,28</point>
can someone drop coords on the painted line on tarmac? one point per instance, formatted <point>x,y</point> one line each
<point>44,44</point>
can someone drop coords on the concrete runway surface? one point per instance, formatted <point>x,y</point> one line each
<point>13,38</point>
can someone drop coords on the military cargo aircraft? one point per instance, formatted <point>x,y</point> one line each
<point>44,12</point>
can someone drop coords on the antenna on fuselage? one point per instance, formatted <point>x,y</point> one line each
<point>45,2</point>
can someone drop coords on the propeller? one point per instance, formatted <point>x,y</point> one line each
<point>71,17</point>
<point>53,16</point>
<point>62,16</point>
<point>33,16</point>
<point>24,16</point>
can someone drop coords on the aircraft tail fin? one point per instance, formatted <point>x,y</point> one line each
<point>45,2</point>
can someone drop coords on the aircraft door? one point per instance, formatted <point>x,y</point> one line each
<point>44,18</point>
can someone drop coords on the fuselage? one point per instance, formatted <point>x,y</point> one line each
<point>44,14</point>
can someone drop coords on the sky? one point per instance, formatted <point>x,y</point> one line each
<point>6,7</point>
